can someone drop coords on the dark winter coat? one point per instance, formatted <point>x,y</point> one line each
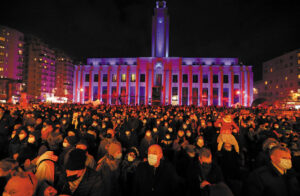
<point>91,185</point>
<point>267,181</point>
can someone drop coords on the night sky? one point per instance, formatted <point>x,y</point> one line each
<point>252,30</point>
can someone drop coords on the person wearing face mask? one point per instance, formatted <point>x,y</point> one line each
<point>78,180</point>
<point>108,168</point>
<point>276,179</point>
<point>109,138</point>
<point>145,143</point>
<point>128,168</point>
<point>204,175</point>
<point>156,176</point>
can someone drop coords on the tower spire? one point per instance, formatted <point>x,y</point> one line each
<point>160,30</point>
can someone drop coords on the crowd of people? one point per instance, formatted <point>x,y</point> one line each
<point>116,150</point>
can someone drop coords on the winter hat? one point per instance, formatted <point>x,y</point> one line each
<point>190,148</point>
<point>76,160</point>
<point>267,143</point>
<point>114,147</point>
<point>72,140</point>
<point>54,140</point>
<point>134,150</point>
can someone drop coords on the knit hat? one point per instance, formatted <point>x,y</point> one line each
<point>114,147</point>
<point>134,150</point>
<point>190,148</point>
<point>76,160</point>
<point>72,140</point>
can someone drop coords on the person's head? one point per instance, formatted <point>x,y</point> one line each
<point>205,156</point>
<point>75,164</point>
<point>148,134</point>
<point>110,133</point>
<point>7,166</point>
<point>281,157</point>
<point>69,141</point>
<point>21,184</point>
<point>180,133</point>
<point>132,154</point>
<point>155,154</point>
<point>200,141</point>
<point>115,150</point>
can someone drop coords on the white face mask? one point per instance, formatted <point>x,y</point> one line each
<point>188,134</point>
<point>200,143</point>
<point>65,144</point>
<point>130,158</point>
<point>22,136</point>
<point>31,140</point>
<point>152,159</point>
<point>118,156</point>
<point>285,163</point>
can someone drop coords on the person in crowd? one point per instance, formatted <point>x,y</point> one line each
<point>203,174</point>
<point>156,176</point>
<point>128,169</point>
<point>78,180</point>
<point>108,167</point>
<point>7,167</point>
<point>21,184</point>
<point>276,178</point>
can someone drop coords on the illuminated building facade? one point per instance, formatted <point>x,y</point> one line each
<point>11,62</point>
<point>39,77</point>
<point>281,78</point>
<point>64,75</point>
<point>164,80</point>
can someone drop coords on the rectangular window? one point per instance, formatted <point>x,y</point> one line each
<point>236,79</point>
<point>142,94</point>
<point>225,79</point>
<point>185,95</point>
<point>195,96</point>
<point>142,78</point>
<point>215,79</point>
<point>175,79</point>
<point>96,78</point>
<point>215,96</point>
<point>123,78</point>
<point>225,96</point>
<point>123,95</point>
<point>195,78</point>
<point>114,95</point>
<point>104,78</point>
<point>87,77</point>
<point>132,78</point>
<point>184,78</point>
<point>205,78</point>
<point>158,79</point>
<point>86,93</point>
<point>205,96</point>
<point>236,97</point>
<point>114,77</point>
<point>95,93</point>
<point>132,95</point>
<point>104,92</point>
<point>174,95</point>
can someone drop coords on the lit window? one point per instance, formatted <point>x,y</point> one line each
<point>20,45</point>
<point>266,82</point>
<point>2,39</point>
<point>123,78</point>
<point>1,53</point>
<point>286,78</point>
<point>34,59</point>
<point>114,78</point>
<point>20,52</point>
<point>2,46</point>
<point>45,61</point>
<point>271,70</point>
<point>299,62</point>
<point>276,86</point>
<point>132,79</point>
<point>45,67</point>
<point>1,68</point>
<point>298,76</point>
<point>41,59</point>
